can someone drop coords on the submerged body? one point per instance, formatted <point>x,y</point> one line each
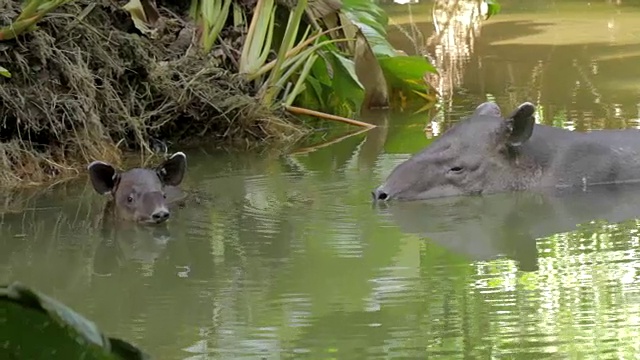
<point>141,195</point>
<point>487,153</point>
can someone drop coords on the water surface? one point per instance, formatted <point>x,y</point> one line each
<point>284,256</point>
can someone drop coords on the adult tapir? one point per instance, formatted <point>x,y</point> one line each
<point>488,153</point>
<point>140,194</point>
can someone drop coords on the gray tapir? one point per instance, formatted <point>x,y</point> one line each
<point>487,153</point>
<point>140,194</point>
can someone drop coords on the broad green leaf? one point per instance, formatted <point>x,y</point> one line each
<point>309,97</point>
<point>349,67</point>
<point>378,42</point>
<point>409,67</point>
<point>348,92</point>
<point>315,88</point>
<point>362,18</point>
<point>406,72</point>
<point>367,9</point>
<point>4,72</point>
<point>319,70</point>
<point>372,21</point>
<point>35,326</point>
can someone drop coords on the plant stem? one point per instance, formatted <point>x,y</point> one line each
<point>303,111</point>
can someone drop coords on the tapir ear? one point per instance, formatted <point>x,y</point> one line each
<point>172,170</point>
<point>488,109</point>
<point>103,177</point>
<point>520,124</point>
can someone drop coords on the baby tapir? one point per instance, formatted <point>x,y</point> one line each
<point>140,194</point>
<point>488,153</point>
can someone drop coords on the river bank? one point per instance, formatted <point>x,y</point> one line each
<point>87,84</point>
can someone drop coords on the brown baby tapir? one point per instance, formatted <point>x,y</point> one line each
<point>140,194</point>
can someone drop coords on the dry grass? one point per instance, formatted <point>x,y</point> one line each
<point>94,89</point>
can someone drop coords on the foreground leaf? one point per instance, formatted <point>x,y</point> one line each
<point>35,326</point>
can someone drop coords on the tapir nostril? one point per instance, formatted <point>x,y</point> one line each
<point>160,216</point>
<point>379,194</point>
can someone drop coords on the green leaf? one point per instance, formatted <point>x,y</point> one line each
<point>406,72</point>
<point>316,89</point>
<point>319,70</point>
<point>347,88</point>
<point>34,326</point>
<point>372,21</point>
<point>368,12</point>
<point>4,72</point>
<point>493,8</point>
<point>309,97</point>
<point>346,66</point>
<point>378,42</point>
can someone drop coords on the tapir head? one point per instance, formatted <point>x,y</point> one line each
<point>139,194</point>
<point>474,156</point>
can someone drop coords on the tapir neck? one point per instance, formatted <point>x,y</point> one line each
<point>543,146</point>
<point>533,161</point>
<point>560,157</point>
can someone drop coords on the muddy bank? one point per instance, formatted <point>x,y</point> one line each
<point>88,85</point>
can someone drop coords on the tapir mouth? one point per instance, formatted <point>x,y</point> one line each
<point>148,220</point>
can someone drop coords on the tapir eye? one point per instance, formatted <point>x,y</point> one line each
<point>164,196</point>
<point>129,198</point>
<point>456,169</point>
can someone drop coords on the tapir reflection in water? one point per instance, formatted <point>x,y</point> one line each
<point>141,195</point>
<point>483,228</point>
<point>488,153</point>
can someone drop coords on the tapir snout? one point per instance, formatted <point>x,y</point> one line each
<point>154,208</point>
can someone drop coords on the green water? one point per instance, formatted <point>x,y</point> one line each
<point>284,256</point>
